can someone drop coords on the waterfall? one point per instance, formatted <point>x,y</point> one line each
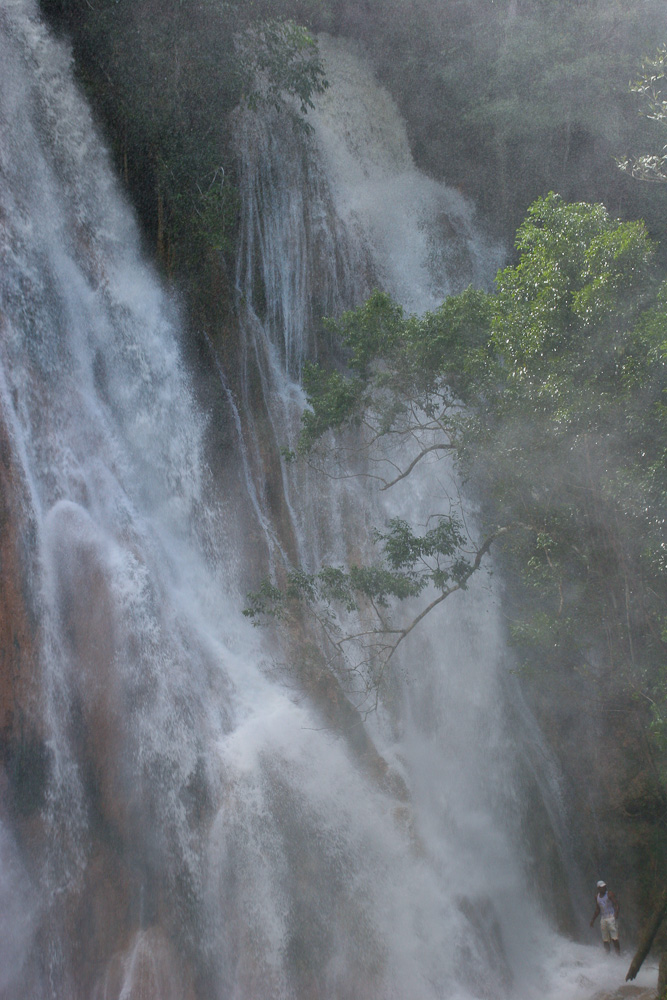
<point>177,817</point>
<point>120,523</point>
<point>370,218</point>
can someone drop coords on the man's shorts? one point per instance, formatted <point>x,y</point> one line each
<point>609,929</point>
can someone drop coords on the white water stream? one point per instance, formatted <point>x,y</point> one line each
<point>202,832</point>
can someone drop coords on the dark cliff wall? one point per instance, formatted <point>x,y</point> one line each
<point>614,790</point>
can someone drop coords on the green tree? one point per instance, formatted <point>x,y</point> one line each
<point>279,60</point>
<point>573,440</point>
<point>550,393</point>
<point>164,79</point>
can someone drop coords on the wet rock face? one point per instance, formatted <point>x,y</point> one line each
<point>86,613</point>
<point>101,913</point>
<point>615,801</point>
<point>147,969</point>
<point>24,757</point>
<point>22,750</point>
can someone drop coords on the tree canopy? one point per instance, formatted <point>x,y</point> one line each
<point>164,83</point>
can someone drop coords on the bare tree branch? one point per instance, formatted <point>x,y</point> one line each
<point>418,458</point>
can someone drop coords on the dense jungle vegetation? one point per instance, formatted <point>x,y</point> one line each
<point>562,366</point>
<point>506,99</point>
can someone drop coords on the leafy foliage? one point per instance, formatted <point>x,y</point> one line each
<point>410,563</point>
<point>404,374</point>
<point>278,59</point>
<point>566,442</point>
<point>164,83</point>
<point>353,606</point>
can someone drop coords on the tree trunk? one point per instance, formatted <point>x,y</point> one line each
<point>662,976</point>
<point>160,226</point>
<point>646,939</point>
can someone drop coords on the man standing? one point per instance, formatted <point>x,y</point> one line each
<point>606,905</point>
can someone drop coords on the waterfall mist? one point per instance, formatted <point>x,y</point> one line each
<point>196,827</point>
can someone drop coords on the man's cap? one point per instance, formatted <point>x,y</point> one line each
<point>601,885</point>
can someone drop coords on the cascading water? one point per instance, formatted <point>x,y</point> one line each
<point>371,218</point>
<point>194,829</point>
